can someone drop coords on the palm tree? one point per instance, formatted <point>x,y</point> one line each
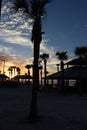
<point>10,69</point>
<point>35,8</point>
<point>18,70</point>
<point>62,56</point>
<point>14,68</point>
<point>28,68</point>
<point>81,52</point>
<point>9,72</point>
<point>44,57</point>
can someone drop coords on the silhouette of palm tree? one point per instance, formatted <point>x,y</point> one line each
<point>9,72</point>
<point>10,69</point>
<point>81,52</point>
<point>18,70</point>
<point>28,68</point>
<point>35,8</point>
<point>14,69</point>
<point>62,56</point>
<point>44,57</point>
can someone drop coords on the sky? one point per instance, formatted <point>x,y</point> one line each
<point>65,27</point>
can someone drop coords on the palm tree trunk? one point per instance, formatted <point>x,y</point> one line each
<point>37,40</point>
<point>33,111</point>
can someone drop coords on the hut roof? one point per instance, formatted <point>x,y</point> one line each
<point>70,73</point>
<point>23,77</point>
<point>77,61</point>
<point>3,76</point>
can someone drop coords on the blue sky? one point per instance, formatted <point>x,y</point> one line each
<point>65,28</point>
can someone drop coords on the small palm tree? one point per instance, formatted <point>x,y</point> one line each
<point>62,56</point>
<point>81,52</point>
<point>28,68</point>
<point>18,70</point>
<point>10,69</point>
<point>14,68</point>
<point>44,57</point>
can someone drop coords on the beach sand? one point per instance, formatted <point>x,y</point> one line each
<point>56,112</point>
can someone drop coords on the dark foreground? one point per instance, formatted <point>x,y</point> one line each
<point>57,112</point>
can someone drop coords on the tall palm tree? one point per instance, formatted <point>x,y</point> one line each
<point>62,56</point>
<point>44,57</point>
<point>28,68</point>
<point>35,8</point>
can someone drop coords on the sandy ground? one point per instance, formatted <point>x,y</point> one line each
<point>57,112</point>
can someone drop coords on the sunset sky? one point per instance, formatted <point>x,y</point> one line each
<point>65,27</point>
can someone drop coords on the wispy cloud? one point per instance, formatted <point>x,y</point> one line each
<point>16,29</point>
<point>13,37</point>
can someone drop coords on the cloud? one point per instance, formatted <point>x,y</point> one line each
<point>9,55</point>
<point>13,37</point>
<point>5,52</point>
<point>16,29</point>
